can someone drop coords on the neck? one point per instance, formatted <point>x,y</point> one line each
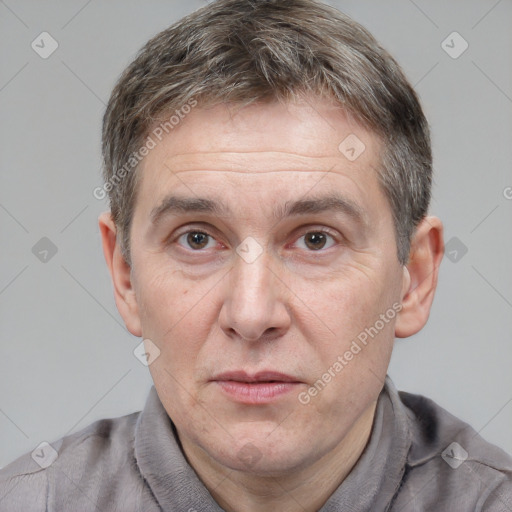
<point>303,490</point>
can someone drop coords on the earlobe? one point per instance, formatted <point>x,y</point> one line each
<point>420,277</point>
<point>120,272</point>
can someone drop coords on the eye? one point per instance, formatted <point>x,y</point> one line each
<point>196,240</point>
<point>311,241</point>
<point>316,240</point>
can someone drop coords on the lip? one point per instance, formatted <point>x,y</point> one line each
<point>259,388</point>
<point>263,376</point>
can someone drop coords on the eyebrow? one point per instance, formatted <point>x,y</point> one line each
<point>176,205</point>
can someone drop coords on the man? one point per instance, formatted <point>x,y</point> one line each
<point>269,170</point>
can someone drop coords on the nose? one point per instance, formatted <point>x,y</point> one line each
<point>254,307</point>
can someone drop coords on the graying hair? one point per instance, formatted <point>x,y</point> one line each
<point>241,52</point>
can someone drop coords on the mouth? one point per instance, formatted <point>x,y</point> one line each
<point>260,388</point>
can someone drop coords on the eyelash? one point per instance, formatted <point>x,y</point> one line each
<point>203,231</point>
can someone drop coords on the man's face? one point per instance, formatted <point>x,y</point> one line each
<point>255,304</point>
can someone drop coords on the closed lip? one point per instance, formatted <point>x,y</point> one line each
<point>262,376</point>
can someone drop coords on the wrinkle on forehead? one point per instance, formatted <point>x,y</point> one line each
<point>262,162</point>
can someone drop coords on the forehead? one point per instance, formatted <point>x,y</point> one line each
<point>266,150</point>
<point>315,125</point>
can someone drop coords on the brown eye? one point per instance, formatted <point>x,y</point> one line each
<point>196,239</point>
<point>315,241</point>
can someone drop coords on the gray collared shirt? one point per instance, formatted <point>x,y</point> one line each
<point>419,458</point>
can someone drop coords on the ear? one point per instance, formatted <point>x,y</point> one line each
<point>420,279</point>
<point>120,272</point>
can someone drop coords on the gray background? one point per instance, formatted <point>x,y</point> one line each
<point>66,357</point>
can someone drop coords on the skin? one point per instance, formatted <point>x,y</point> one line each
<point>294,309</point>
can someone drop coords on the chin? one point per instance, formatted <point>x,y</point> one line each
<point>259,456</point>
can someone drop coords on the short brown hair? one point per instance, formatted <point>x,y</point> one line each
<point>245,51</point>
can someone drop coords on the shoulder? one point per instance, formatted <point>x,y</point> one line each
<point>450,466</point>
<point>87,459</point>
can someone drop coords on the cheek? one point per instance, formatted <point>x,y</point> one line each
<point>353,318</point>
<point>166,298</point>
<point>177,315</point>
<point>343,304</point>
